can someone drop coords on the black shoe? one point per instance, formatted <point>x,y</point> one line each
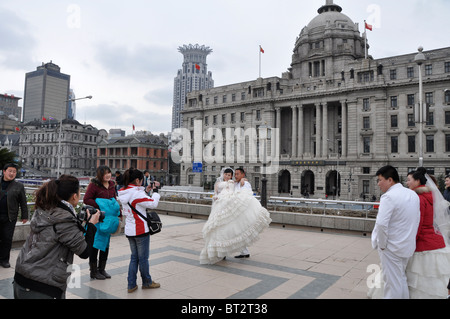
<point>5,264</point>
<point>242,256</point>
<point>95,274</point>
<point>101,269</point>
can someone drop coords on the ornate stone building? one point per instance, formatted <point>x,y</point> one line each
<point>336,117</point>
<point>39,147</point>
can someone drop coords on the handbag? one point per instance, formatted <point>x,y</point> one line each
<point>153,221</point>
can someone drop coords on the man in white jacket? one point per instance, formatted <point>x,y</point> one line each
<point>240,183</point>
<point>395,231</point>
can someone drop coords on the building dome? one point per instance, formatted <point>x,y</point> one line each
<point>331,15</point>
<point>328,38</point>
<point>331,19</point>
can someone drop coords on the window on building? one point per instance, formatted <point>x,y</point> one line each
<point>410,72</point>
<point>366,105</point>
<point>366,122</point>
<point>393,74</point>
<point>258,115</point>
<point>447,118</point>
<point>394,102</point>
<point>366,187</point>
<point>242,116</point>
<point>411,144</point>
<point>429,69</point>
<point>447,96</point>
<point>411,99</point>
<point>394,144</point>
<point>366,146</point>
<point>411,120</point>
<point>447,67</point>
<point>447,143</point>
<point>430,144</point>
<point>394,121</point>
<point>430,118</point>
<point>429,98</point>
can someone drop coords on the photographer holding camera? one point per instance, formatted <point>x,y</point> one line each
<point>56,235</point>
<point>136,228</point>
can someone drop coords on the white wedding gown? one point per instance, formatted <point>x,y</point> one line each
<point>235,222</point>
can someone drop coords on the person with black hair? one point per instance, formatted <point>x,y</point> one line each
<point>56,234</point>
<point>429,268</point>
<point>101,194</point>
<point>447,188</point>
<point>394,234</point>
<point>12,197</point>
<point>235,222</point>
<point>136,228</point>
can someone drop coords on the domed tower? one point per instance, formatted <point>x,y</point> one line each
<point>325,45</point>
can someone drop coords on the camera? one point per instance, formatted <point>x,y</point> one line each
<point>155,186</point>
<point>84,216</point>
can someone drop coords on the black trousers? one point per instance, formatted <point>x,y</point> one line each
<point>6,237</point>
<point>102,255</point>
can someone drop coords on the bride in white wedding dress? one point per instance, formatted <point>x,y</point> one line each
<point>235,222</point>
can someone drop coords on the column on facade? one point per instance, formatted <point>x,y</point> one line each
<point>294,131</point>
<point>278,137</point>
<point>318,130</point>
<point>301,132</point>
<point>325,143</point>
<point>344,124</point>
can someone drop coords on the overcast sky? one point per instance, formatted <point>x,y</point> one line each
<point>124,53</point>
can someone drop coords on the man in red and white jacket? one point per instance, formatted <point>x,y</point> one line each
<point>135,225</point>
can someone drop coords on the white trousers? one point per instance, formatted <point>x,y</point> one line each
<point>394,275</point>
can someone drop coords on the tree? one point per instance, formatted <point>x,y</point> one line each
<point>6,157</point>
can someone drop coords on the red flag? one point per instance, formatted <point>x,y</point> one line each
<point>44,119</point>
<point>261,49</point>
<point>369,26</point>
<point>197,67</point>
<point>133,127</point>
<point>17,129</point>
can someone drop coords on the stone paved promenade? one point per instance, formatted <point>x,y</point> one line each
<point>286,263</point>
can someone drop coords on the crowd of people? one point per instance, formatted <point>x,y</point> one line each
<point>411,232</point>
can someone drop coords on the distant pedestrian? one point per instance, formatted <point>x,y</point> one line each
<point>12,197</point>
<point>395,231</point>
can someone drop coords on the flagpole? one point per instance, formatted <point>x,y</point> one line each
<point>365,39</point>
<point>260,61</point>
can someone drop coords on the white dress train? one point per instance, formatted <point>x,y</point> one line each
<point>235,222</point>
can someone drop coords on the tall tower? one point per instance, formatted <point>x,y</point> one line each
<point>46,91</point>
<point>192,77</point>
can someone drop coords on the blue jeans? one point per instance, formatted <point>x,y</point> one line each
<point>140,250</point>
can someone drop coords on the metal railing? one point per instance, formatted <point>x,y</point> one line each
<point>280,204</point>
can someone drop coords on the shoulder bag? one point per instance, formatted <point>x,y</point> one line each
<point>153,221</point>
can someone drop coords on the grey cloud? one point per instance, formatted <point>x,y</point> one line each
<point>17,43</point>
<point>141,63</point>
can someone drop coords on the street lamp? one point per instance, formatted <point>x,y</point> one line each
<point>266,132</point>
<point>60,132</point>
<point>420,59</point>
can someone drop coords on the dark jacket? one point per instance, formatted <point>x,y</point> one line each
<point>97,190</point>
<point>447,194</point>
<point>15,196</point>
<point>55,236</point>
